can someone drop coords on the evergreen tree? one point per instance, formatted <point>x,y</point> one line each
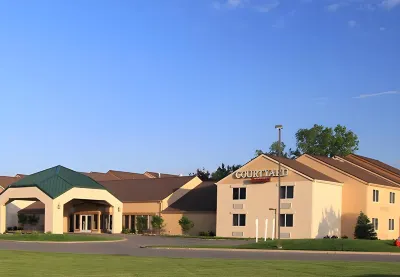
<point>364,228</point>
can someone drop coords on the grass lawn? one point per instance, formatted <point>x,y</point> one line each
<point>19,263</point>
<point>53,237</point>
<point>315,244</point>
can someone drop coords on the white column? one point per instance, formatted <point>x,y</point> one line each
<point>273,229</point>
<point>266,229</point>
<point>256,230</point>
<point>3,221</point>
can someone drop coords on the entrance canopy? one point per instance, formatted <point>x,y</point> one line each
<point>54,187</point>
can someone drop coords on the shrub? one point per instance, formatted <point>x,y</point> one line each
<point>141,223</point>
<point>327,237</point>
<point>364,228</point>
<point>15,228</point>
<point>9,228</point>
<point>22,219</point>
<point>125,231</point>
<point>133,231</point>
<point>157,222</point>
<point>186,224</point>
<point>345,237</point>
<point>211,234</point>
<point>20,228</point>
<point>203,234</point>
<point>334,237</point>
<point>48,232</point>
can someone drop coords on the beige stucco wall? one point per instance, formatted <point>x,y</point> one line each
<point>12,209</point>
<point>326,209</point>
<point>261,197</point>
<point>141,208</point>
<point>86,194</point>
<point>354,193</point>
<point>173,197</point>
<point>203,222</point>
<point>384,210</point>
<point>27,193</point>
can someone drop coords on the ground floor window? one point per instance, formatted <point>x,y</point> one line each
<point>239,220</point>
<point>391,224</point>
<point>96,221</point>
<point>375,222</point>
<point>77,221</point>
<point>126,221</point>
<point>286,220</point>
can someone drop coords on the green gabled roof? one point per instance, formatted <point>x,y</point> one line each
<point>57,180</point>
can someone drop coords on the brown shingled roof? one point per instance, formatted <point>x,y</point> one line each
<point>126,175</point>
<point>5,181</point>
<point>304,169</point>
<point>34,208</point>
<point>355,171</point>
<point>159,175</point>
<point>150,189</point>
<point>99,176</point>
<point>377,163</point>
<point>202,198</point>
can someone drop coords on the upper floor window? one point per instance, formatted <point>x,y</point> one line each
<point>375,196</point>
<point>392,198</point>
<point>239,220</point>
<point>391,224</point>
<point>287,192</point>
<point>375,223</point>
<point>239,193</point>
<point>286,220</point>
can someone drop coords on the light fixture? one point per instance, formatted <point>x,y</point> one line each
<point>58,206</point>
<point>119,209</point>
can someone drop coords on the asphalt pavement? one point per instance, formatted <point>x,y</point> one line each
<point>133,246</point>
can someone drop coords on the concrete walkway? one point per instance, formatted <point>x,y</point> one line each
<point>132,247</point>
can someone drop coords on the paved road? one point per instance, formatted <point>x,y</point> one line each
<point>132,247</point>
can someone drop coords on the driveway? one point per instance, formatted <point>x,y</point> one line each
<point>132,247</point>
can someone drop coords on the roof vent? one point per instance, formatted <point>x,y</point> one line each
<point>159,175</point>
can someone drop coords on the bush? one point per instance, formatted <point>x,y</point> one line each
<point>133,231</point>
<point>15,228</point>
<point>20,228</point>
<point>203,234</point>
<point>48,232</point>
<point>327,237</point>
<point>9,228</point>
<point>186,224</point>
<point>125,231</point>
<point>141,223</point>
<point>364,228</point>
<point>345,237</point>
<point>211,234</point>
<point>157,222</point>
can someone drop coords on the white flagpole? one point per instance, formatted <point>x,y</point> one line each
<point>256,230</point>
<point>266,229</point>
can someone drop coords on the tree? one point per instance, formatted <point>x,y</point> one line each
<point>157,222</point>
<point>141,224</point>
<point>32,220</point>
<point>325,141</point>
<point>223,171</point>
<point>186,224</point>
<point>274,150</point>
<point>203,174</point>
<point>364,228</point>
<point>22,219</point>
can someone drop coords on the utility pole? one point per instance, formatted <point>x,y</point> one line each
<point>278,229</point>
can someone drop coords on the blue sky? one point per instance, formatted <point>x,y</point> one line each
<point>171,86</point>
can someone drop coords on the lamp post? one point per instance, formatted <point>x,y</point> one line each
<point>278,228</point>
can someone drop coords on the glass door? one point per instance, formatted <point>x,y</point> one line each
<point>86,223</point>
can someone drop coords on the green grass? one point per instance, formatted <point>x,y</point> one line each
<point>59,238</point>
<point>313,244</point>
<point>19,263</point>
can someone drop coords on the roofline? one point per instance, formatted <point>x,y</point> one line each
<point>302,174</point>
<point>376,174</point>
<point>166,211</point>
<point>383,186</point>
<point>335,168</point>
<point>29,186</point>
<point>329,182</point>
<point>372,164</point>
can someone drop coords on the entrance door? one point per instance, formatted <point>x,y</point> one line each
<point>86,223</point>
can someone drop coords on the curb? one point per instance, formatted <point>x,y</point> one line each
<point>279,251</point>
<point>68,242</point>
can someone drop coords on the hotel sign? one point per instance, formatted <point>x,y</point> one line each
<point>261,173</point>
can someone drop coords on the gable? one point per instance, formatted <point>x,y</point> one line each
<point>265,165</point>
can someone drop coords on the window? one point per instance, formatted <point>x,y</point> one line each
<point>126,221</point>
<point>392,197</point>
<point>375,223</point>
<point>287,192</point>
<point>375,197</point>
<point>77,219</point>
<point>239,193</point>
<point>286,220</point>
<point>96,223</point>
<point>239,220</point>
<point>391,224</point>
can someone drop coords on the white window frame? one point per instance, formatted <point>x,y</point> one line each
<point>239,194</point>
<point>375,196</point>
<point>238,220</point>
<point>286,221</point>
<point>285,196</point>
<point>392,198</point>
<point>391,224</point>
<point>375,222</point>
